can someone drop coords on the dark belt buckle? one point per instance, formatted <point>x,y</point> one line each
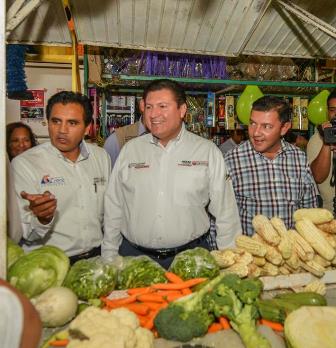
<point>164,253</point>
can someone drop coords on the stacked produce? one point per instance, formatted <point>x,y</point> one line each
<point>274,250</point>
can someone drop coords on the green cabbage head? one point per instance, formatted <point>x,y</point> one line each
<point>14,252</point>
<point>39,270</point>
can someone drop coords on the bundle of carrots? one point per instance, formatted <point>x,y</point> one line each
<point>148,301</point>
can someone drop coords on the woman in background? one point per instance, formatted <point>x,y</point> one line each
<point>20,138</point>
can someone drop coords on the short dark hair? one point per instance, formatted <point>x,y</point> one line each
<point>10,129</point>
<point>269,103</point>
<point>68,97</point>
<point>171,85</point>
<point>332,95</point>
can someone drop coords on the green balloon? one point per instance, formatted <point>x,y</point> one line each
<point>245,101</point>
<point>317,108</point>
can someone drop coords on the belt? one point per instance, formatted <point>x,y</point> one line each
<point>163,253</point>
<point>91,253</point>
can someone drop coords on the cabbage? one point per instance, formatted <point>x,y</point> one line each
<point>39,270</point>
<point>195,263</point>
<point>91,278</point>
<point>311,327</point>
<point>14,252</point>
<point>140,271</point>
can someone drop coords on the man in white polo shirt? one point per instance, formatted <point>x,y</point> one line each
<point>61,183</point>
<point>163,183</point>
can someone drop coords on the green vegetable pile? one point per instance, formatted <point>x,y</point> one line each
<point>138,272</point>
<point>39,270</point>
<point>91,278</point>
<point>195,263</point>
<point>225,295</point>
<point>14,252</point>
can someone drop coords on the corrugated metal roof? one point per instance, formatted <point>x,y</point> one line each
<point>216,27</point>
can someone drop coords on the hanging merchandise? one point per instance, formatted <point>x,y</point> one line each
<point>317,108</point>
<point>230,119</point>
<point>300,114</point>
<point>221,111</point>
<point>211,110</point>
<point>245,101</point>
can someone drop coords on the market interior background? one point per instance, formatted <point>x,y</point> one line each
<point>225,52</point>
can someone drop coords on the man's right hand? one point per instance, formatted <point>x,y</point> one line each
<point>43,206</point>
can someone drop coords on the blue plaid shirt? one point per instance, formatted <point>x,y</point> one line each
<point>274,187</point>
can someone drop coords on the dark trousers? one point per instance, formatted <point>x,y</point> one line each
<point>127,249</point>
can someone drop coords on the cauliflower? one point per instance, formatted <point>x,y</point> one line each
<point>117,328</point>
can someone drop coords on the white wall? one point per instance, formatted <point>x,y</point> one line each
<point>51,78</point>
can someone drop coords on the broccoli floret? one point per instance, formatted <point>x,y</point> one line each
<point>188,317</point>
<point>244,323</point>
<point>249,290</point>
<point>174,323</point>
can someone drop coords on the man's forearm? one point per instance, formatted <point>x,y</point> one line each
<point>320,167</point>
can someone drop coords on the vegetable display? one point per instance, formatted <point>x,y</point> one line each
<point>39,270</point>
<point>311,327</point>
<point>14,252</point>
<point>225,295</point>
<point>195,263</point>
<point>56,306</point>
<point>138,272</point>
<point>91,278</point>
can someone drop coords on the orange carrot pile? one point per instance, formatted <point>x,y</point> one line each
<point>222,324</point>
<point>272,324</point>
<point>59,343</point>
<point>146,302</point>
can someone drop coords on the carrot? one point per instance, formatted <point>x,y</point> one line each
<point>139,291</point>
<point>143,319</point>
<point>150,322</point>
<point>173,297</point>
<point>186,291</point>
<point>225,323</point>
<point>119,302</point>
<point>173,278</point>
<point>154,305</point>
<point>168,292</point>
<point>272,324</point>
<point>137,308</point>
<point>59,343</point>
<point>150,298</point>
<point>214,327</point>
<point>178,286</point>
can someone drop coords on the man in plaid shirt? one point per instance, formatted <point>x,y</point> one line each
<point>269,175</point>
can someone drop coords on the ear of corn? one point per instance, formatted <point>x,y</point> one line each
<point>329,227</point>
<point>269,270</point>
<point>313,236</point>
<point>253,270</point>
<point>316,286</point>
<point>330,238</point>
<point>301,246</point>
<point>321,261</point>
<point>293,261</point>
<point>254,247</point>
<point>283,270</point>
<point>259,261</point>
<point>286,246</point>
<point>278,225</point>
<point>244,257</point>
<point>273,256</point>
<point>263,226</point>
<point>224,258</point>
<point>315,215</point>
<point>314,268</point>
<point>240,269</point>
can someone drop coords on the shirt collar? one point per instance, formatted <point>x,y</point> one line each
<point>83,155</point>
<point>142,129</point>
<point>285,146</point>
<point>155,140</point>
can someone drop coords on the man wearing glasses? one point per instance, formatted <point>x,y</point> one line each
<point>321,156</point>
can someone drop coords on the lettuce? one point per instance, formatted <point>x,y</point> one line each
<point>14,252</point>
<point>39,270</point>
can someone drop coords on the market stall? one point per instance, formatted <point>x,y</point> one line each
<point>205,45</point>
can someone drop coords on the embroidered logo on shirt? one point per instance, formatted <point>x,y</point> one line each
<point>139,165</point>
<point>56,181</point>
<point>193,163</point>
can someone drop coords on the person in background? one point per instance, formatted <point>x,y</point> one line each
<point>20,138</point>
<point>321,157</point>
<point>20,324</point>
<point>237,136</point>
<point>296,138</point>
<point>61,183</point>
<point>269,175</point>
<point>162,183</point>
<point>116,140</point>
